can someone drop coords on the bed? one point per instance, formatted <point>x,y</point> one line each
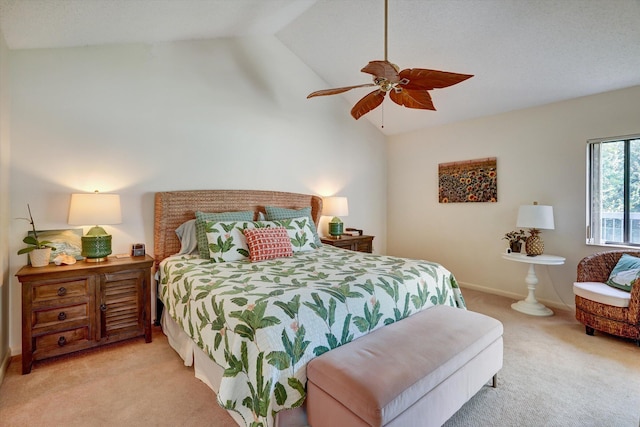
<point>249,328</point>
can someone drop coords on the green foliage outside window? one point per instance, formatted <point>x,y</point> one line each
<point>618,192</point>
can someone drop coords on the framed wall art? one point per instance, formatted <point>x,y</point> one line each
<point>468,181</point>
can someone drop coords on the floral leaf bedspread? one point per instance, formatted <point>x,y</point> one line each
<point>263,322</point>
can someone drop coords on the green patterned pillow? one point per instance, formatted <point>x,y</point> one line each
<point>202,217</point>
<point>626,271</point>
<point>299,231</point>
<point>275,213</point>
<point>226,240</point>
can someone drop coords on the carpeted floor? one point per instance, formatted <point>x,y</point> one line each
<point>553,375</point>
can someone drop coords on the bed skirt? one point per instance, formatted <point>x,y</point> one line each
<point>210,373</point>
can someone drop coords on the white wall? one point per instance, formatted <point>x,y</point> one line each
<point>4,207</point>
<point>220,114</point>
<point>541,154</point>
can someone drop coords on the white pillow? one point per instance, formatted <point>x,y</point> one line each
<point>299,230</point>
<point>226,240</point>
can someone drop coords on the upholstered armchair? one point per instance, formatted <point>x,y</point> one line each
<point>601,307</point>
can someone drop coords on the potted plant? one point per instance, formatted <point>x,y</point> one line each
<point>39,250</point>
<point>515,239</point>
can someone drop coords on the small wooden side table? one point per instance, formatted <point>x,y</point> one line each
<point>354,243</point>
<point>530,305</point>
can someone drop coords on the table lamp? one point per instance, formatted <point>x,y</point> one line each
<point>95,208</point>
<point>535,217</point>
<point>335,207</point>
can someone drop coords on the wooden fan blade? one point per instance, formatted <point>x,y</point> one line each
<point>423,79</point>
<point>412,99</point>
<point>367,103</point>
<point>336,90</point>
<point>383,69</point>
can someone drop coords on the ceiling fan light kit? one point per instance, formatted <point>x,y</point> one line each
<point>408,88</point>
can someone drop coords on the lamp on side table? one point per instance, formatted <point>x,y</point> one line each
<point>93,209</point>
<point>335,207</point>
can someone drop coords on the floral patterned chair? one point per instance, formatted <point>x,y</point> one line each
<point>601,307</point>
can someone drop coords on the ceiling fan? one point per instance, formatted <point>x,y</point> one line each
<point>407,88</point>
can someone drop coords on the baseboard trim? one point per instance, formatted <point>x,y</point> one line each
<point>5,365</point>
<point>512,295</point>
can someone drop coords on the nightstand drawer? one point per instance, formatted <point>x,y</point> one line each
<point>62,289</point>
<point>63,341</point>
<point>60,316</point>
<point>363,246</point>
<point>355,243</point>
<point>341,244</point>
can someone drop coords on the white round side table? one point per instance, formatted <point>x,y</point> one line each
<point>530,305</point>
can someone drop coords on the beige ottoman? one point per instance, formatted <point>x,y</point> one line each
<point>415,372</point>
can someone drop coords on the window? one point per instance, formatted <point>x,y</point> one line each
<point>613,191</point>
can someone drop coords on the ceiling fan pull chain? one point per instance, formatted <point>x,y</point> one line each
<point>382,110</point>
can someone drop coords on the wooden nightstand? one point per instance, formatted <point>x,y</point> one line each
<point>354,243</point>
<point>69,308</point>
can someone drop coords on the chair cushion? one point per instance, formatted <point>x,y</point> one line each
<point>602,293</point>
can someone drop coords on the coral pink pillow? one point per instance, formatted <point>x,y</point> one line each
<point>268,243</point>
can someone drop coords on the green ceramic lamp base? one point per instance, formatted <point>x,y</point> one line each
<point>96,245</point>
<point>336,227</point>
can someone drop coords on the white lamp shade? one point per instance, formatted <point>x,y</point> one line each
<point>335,206</point>
<point>95,209</point>
<point>535,216</point>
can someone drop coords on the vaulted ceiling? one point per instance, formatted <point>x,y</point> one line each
<point>522,53</point>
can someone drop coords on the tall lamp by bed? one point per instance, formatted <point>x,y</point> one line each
<point>95,208</point>
<point>335,207</point>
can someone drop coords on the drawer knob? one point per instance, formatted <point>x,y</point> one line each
<point>62,341</point>
<point>62,315</point>
<point>103,307</point>
<point>62,291</point>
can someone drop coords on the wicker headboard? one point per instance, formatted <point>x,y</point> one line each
<point>172,208</point>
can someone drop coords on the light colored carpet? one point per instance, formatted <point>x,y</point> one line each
<point>553,375</point>
<point>125,384</point>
